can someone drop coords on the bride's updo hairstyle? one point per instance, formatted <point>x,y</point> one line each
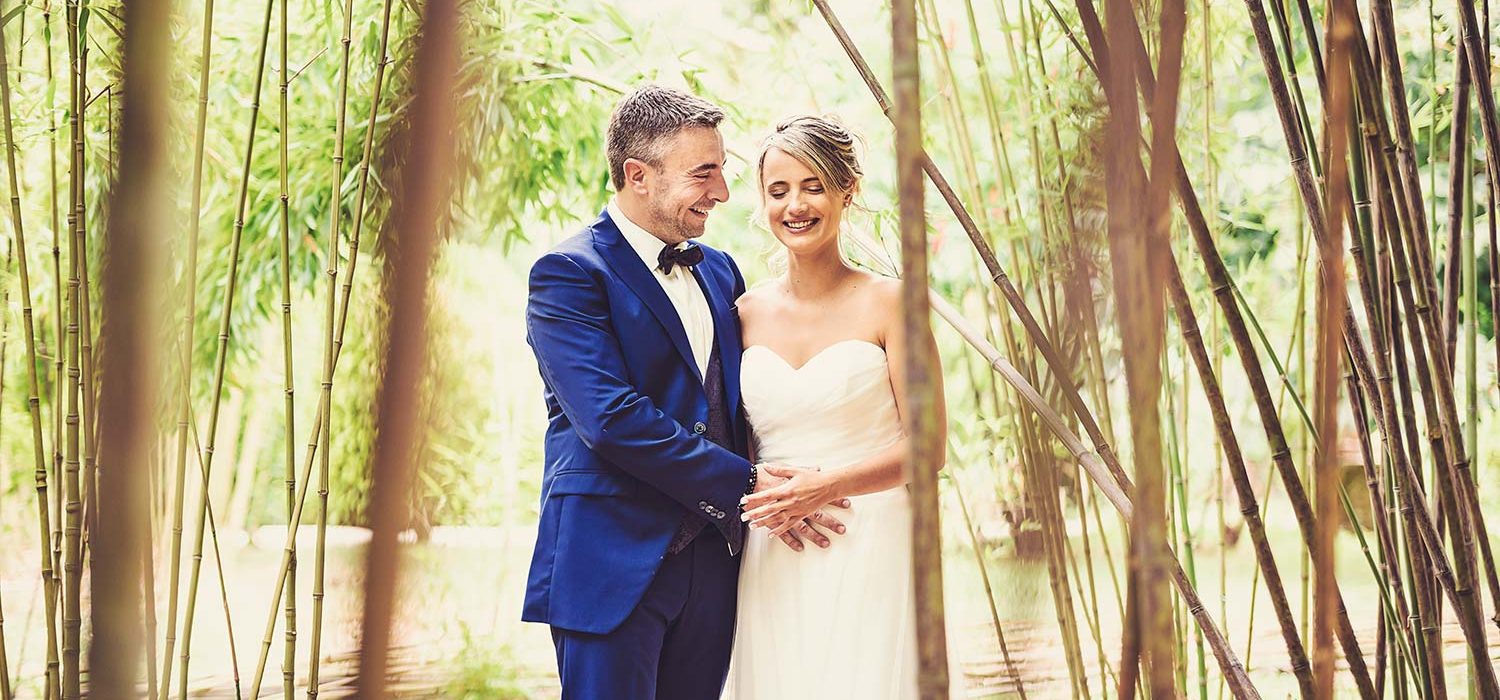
<point>828,149</point>
<point>823,145</point>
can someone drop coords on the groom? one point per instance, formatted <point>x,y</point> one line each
<point>635,565</point>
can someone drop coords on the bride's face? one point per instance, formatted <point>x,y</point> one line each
<point>801,211</point>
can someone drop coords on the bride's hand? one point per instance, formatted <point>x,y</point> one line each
<point>795,495</point>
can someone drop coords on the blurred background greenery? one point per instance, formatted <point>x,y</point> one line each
<point>538,82</point>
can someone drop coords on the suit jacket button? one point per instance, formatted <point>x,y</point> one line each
<point>699,428</point>
<point>702,504</point>
<point>719,515</point>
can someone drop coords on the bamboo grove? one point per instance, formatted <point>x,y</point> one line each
<point>91,409</point>
<point>122,425</point>
<point>1369,187</point>
<point>1363,181</point>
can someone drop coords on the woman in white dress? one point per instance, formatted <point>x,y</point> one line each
<point>823,385</point>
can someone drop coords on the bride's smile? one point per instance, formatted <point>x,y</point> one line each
<point>800,211</point>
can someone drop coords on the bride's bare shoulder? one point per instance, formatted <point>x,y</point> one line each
<point>757,300</point>
<point>882,294</point>
<point>881,290</point>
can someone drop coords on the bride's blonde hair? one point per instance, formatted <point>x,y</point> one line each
<point>828,149</point>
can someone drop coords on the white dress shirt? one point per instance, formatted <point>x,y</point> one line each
<point>680,285</point>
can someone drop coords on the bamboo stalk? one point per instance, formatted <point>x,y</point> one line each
<point>1462,597</point>
<point>1138,238</point>
<point>418,216</point>
<point>335,205</point>
<point>72,555</point>
<point>220,355</point>
<point>984,578</point>
<point>1331,297</point>
<point>190,312</point>
<point>5,690</point>
<point>56,398</point>
<point>1223,292</point>
<point>1459,165</point>
<point>1239,684</point>
<point>1229,664</point>
<point>88,378</point>
<point>1007,289</point>
<point>1478,63</point>
<point>289,655</point>
<point>346,290</point>
<point>922,370</point>
<point>1239,475</point>
<point>33,402</point>
<point>129,327</point>
<point>1040,480</point>
<point>1429,651</point>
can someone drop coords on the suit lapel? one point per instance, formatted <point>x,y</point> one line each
<point>625,263</point>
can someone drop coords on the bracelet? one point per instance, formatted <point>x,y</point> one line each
<point>754,476</point>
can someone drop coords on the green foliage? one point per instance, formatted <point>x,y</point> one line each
<point>483,672</point>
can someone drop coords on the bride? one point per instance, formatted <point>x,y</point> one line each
<point>823,384</point>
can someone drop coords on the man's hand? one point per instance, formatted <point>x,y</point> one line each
<point>792,534</point>
<point>805,530</point>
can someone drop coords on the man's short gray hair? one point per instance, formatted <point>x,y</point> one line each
<point>646,118</point>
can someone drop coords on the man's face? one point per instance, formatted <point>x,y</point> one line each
<point>689,183</point>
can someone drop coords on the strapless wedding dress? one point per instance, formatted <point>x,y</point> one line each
<point>837,622</point>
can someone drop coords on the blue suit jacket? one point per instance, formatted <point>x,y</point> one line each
<point>624,463</point>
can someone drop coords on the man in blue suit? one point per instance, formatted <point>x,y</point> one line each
<point>632,324</point>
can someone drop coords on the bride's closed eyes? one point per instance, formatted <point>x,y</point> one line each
<point>778,190</point>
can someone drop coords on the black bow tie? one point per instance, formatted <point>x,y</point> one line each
<point>670,256</point>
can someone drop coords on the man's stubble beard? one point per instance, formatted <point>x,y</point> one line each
<point>663,223</point>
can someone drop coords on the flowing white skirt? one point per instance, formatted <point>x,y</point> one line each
<point>830,623</point>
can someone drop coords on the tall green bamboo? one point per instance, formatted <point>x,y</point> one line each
<point>129,326</point>
<point>1228,663</point>
<point>51,584</point>
<point>1478,63</point>
<point>922,372</point>
<point>1040,480</point>
<point>190,312</point>
<point>1240,477</point>
<point>1002,281</point>
<point>346,290</point>
<point>335,206</point>
<point>984,577</point>
<point>87,378</point>
<point>418,215</point>
<point>1459,165</point>
<point>5,691</point>
<point>72,557</point>
<point>1452,460</point>
<point>1461,597</point>
<point>1225,295</point>
<point>221,354</point>
<point>289,655</point>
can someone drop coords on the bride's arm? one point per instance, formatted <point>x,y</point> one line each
<point>806,491</point>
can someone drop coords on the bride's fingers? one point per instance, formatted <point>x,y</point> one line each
<point>751,513</point>
<point>760,498</point>
<point>771,521</point>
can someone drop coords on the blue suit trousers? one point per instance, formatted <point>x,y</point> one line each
<point>675,644</point>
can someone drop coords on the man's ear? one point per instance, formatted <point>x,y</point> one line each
<point>635,175</point>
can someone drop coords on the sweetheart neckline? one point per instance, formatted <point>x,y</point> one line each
<point>817,354</point>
